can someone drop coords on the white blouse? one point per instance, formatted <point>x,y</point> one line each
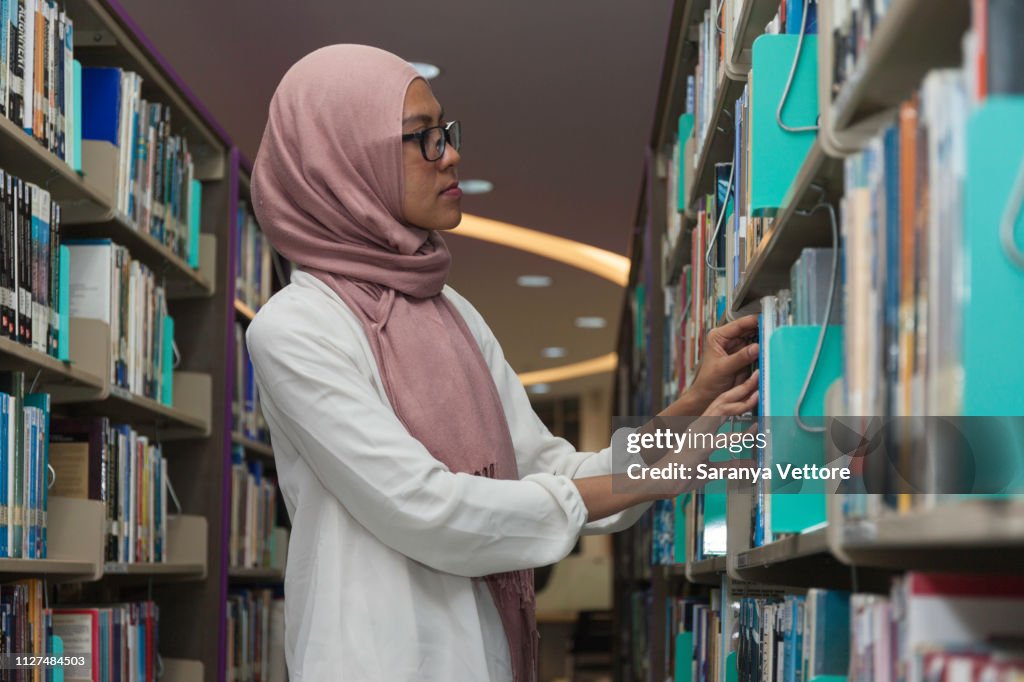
<point>385,540</point>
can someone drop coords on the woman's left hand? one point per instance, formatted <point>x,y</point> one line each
<point>725,362</point>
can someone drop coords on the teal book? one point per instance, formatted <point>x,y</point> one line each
<point>777,154</point>
<point>13,384</point>
<point>799,504</point>
<point>167,390</point>
<point>57,648</point>
<point>993,317</point>
<point>684,657</point>
<point>195,210</point>
<point>64,298</point>
<point>732,669</point>
<point>679,529</point>
<point>76,125</point>
<point>38,477</point>
<point>685,130</point>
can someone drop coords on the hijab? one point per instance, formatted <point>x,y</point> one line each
<point>327,189</point>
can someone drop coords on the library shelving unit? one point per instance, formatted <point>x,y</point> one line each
<point>842,552</point>
<point>254,447</point>
<point>190,585</point>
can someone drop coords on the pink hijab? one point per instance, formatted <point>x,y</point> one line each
<point>327,188</point>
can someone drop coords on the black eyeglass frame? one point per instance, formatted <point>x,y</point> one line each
<point>446,138</point>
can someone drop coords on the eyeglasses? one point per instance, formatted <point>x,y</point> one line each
<point>432,140</point>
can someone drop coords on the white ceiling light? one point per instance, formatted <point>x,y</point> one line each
<point>533,281</point>
<point>539,388</point>
<point>553,352</point>
<point>475,186</point>
<point>428,71</point>
<point>591,322</point>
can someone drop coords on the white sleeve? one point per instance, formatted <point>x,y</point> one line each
<point>359,450</point>
<point>537,450</point>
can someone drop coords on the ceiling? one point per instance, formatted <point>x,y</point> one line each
<point>557,101</point>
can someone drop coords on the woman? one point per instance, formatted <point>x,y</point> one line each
<point>421,486</point>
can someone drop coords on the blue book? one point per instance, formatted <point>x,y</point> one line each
<point>101,103</point>
<point>795,16</point>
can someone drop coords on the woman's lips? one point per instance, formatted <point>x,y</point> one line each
<point>452,193</point>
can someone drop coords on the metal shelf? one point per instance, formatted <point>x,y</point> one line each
<point>53,374</point>
<point>753,16</point>
<point>718,145</point>
<point>969,534</point>
<point>820,178</point>
<point>912,38</point>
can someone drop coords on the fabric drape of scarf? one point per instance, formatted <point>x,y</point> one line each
<point>327,189</point>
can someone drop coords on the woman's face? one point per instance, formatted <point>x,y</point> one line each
<point>430,201</point>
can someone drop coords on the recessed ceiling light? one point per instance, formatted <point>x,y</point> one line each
<point>553,352</point>
<point>428,71</point>
<point>533,281</point>
<point>591,322</point>
<point>539,388</point>
<point>476,186</point>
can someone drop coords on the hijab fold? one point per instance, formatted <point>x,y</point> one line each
<point>327,189</point>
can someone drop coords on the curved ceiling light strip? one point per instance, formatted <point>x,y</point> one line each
<point>598,365</point>
<point>610,266</point>
<point>600,262</point>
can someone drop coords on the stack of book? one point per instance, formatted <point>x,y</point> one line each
<point>24,457</point>
<point>253,513</point>
<point>254,277</point>
<point>38,84</point>
<point>129,148</point>
<point>30,267</point>
<point>247,418</point>
<point>106,284</point>
<point>96,460</point>
<point>255,648</point>
<point>118,641</point>
<point>939,626</point>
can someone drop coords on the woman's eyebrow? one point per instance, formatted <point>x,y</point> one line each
<point>424,118</point>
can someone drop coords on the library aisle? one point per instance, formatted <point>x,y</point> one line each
<point>851,173</point>
<point>843,179</point>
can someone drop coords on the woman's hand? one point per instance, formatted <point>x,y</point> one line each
<point>724,365</point>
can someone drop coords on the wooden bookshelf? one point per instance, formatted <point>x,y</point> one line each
<point>179,279</point>
<point>50,374</point>
<point>819,179</point>
<point>253,447</point>
<point>241,574</point>
<point>24,157</point>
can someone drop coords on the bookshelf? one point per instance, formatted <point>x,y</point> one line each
<point>895,539</point>
<point>190,585</point>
